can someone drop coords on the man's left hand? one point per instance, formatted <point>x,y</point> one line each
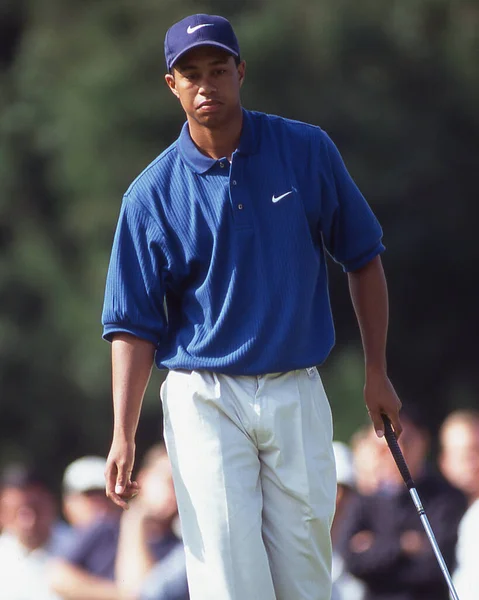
<point>381,398</point>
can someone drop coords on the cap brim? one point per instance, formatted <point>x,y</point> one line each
<point>197,45</point>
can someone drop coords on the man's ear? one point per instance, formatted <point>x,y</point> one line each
<point>171,83</point>
<point>241,72</point>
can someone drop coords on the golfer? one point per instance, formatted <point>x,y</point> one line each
<point>218,273</point>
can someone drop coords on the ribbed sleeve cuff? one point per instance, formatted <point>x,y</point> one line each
<point>110,329</point>
<point>361,261</point>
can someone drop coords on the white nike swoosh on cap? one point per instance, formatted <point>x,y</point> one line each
<point>277,199</point>
<point>193,29</point>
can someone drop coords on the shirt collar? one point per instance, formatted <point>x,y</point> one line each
<point>200,163</point>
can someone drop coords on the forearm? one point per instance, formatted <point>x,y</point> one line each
<point>132,361</point>
<point>369,296</point>
<point>72,583</point>
<point>134,559</point>
<point>370,300</point>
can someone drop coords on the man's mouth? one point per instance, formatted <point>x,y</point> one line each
<point>209,105</point>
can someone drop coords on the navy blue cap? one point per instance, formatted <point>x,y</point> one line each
<point>199,30</point>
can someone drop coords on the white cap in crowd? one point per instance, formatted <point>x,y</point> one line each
<point>344,464</point>
<point>85,474</point>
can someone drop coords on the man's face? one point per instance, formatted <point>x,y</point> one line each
<point>414,445</point>
<point>207,82</point>
<point>28,514</point>
<point>157,490</point>
<point>460,456</point>
<point>81,509</point>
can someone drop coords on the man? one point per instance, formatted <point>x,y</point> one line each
<point>459,451</point>
<point>459,461</point>
<point>384,543</point>
<point>139,558</point>
<point>29,537</point>
<point>150,563</point>
<point>228,230</point>
<point>84,569</point>
<point>366,459</point>
<point>83,496</point>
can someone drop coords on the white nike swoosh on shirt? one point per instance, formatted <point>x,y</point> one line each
<point>193,29</point>
<point>277,199</point>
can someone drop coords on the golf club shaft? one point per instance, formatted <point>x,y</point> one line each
<point>408,480</point>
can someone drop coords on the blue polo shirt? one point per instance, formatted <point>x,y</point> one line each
<point>222,266</point>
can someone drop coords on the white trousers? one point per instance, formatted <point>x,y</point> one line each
<point>255,480</point>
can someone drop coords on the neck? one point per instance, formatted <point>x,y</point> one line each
<point>157,529</point>
<point>472,498</point>
<point>219,141</point>
<point>32,544</point>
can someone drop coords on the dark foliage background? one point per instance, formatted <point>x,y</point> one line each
<point>83,108</point>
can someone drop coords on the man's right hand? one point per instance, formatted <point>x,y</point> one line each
<point>119,467</point>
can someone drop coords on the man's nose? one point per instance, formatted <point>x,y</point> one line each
<point>207,86</point>
<point>27,516</point>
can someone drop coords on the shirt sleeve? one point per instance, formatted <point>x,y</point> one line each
<point>93,548</point>
<point>351,233</point>
<point>135,291</point>
<point>78,547</point>
<point>167,579</point>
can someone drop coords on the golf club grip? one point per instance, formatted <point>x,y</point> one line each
<point>396,452</point>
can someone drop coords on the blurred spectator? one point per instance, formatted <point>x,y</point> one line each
<point>84,498</point>
<point>85,569</point>
<point>345,586</point>
<point>459,451</point>
<point>151,559</point>
<point>367,463</point>
<point>384,543</point>
<point>28,514</point>
<point>149,556</point>
<point>459,459</point>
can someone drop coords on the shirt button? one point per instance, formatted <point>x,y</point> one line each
<point>240,206</point>
<point>222,165</point>
<point>234,182</point>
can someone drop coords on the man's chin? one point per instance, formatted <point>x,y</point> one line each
<point>212,121</point>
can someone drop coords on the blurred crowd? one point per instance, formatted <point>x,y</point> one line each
<point>88,549</point>
<point>380,548</point>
